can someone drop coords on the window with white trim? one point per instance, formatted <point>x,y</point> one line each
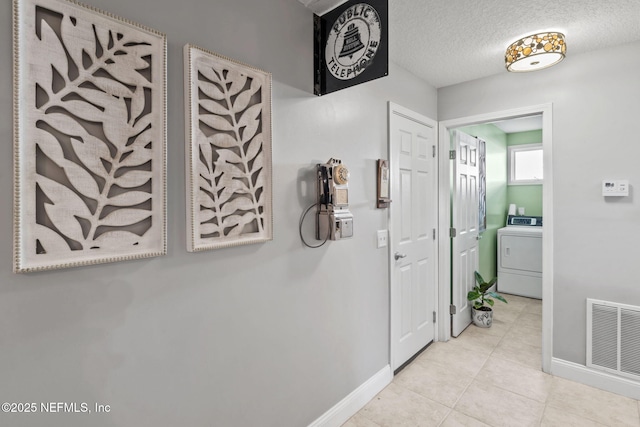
<point>525,164</point>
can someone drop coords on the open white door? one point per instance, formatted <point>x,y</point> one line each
<point>464,221</point>
<point>413,216</point>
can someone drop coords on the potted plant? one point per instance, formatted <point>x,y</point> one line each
<point>482,298</point>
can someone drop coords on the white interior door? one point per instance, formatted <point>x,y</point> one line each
<point>464,220</point>
<point>413,212</point>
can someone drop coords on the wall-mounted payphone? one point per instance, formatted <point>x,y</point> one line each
<point>333,220</point>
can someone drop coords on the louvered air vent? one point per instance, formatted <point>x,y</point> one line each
<point>613,338</point>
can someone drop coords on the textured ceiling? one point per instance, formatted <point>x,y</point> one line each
<point>448,42</point>
<point>451,41</point>
<point>320,7</point>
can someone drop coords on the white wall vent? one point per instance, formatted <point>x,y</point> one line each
<point>613,338</point>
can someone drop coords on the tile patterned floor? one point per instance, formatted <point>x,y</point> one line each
<point>505,386</point>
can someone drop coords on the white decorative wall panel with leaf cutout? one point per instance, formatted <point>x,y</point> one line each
<point>89,137</point>
<point>228,151</point>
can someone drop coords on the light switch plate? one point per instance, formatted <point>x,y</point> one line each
<point>382,238</point>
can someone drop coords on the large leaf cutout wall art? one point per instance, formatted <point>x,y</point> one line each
<point>89,137</point>
<point>228,152</point>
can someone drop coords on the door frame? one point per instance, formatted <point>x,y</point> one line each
<point>394,108</point>
<point>444,249</point>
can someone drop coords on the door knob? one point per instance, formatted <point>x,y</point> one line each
<point>398,255</point>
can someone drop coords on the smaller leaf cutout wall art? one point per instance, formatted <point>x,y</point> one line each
<point>228,151</point>
<point>90,138</point>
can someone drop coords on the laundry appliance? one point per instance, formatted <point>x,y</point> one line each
<point>520,257</point>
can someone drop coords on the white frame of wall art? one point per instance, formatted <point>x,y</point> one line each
<point>89,137</point>
<point>228,152</point>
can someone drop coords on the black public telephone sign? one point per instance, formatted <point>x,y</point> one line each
<point>351,45</point>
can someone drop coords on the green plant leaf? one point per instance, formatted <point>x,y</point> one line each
<point>484,288</point>
<point>497,296</point>
<point>473,295</point>
<point>479,278</point>
<point>489,301</point>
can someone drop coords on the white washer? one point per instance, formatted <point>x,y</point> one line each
<point>520,261</point>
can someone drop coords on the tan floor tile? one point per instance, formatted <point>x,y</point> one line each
<point>519,352</point>
<point>506,314</point>
<point>558,418</point>
<point>523,327</point>
<point>359,420</point>
<point>396,406</point>
<point>458,419</point>
<point>499,408</point>
<point>535,307</point>
<point>520,379</point>
<point>514,302</point>
<point>594,404</point>
<point>440,382</point>
<point>455,353</point>
<point>530,320</point>
<point>525,334</point>
<point>478,338</point>
<point>499,327</point>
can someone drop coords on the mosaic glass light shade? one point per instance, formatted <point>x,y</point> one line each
<point>535,52</point>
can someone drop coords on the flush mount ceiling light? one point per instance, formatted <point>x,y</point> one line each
<point>535,52</point>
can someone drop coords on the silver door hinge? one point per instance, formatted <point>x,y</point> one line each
<point>452,232</point>
<point>433,150</point>
<point>452,155</point>
<point>434,234</point>
<point>435,319</point>
<point>452,309</point>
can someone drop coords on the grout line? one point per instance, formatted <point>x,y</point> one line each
<point>445,417</point>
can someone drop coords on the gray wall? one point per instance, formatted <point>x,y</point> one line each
<point>263,335</point>
<point>596,105</point>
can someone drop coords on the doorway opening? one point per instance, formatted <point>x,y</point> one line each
<point>530,123</point>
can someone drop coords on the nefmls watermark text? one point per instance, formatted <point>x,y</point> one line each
<point>55,407</point>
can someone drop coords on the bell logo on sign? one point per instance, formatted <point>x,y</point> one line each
<point>353,41</point>
<point>350,45</point>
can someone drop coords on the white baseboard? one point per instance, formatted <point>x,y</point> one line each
<point>355,401</point>
<point>602,380</point>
